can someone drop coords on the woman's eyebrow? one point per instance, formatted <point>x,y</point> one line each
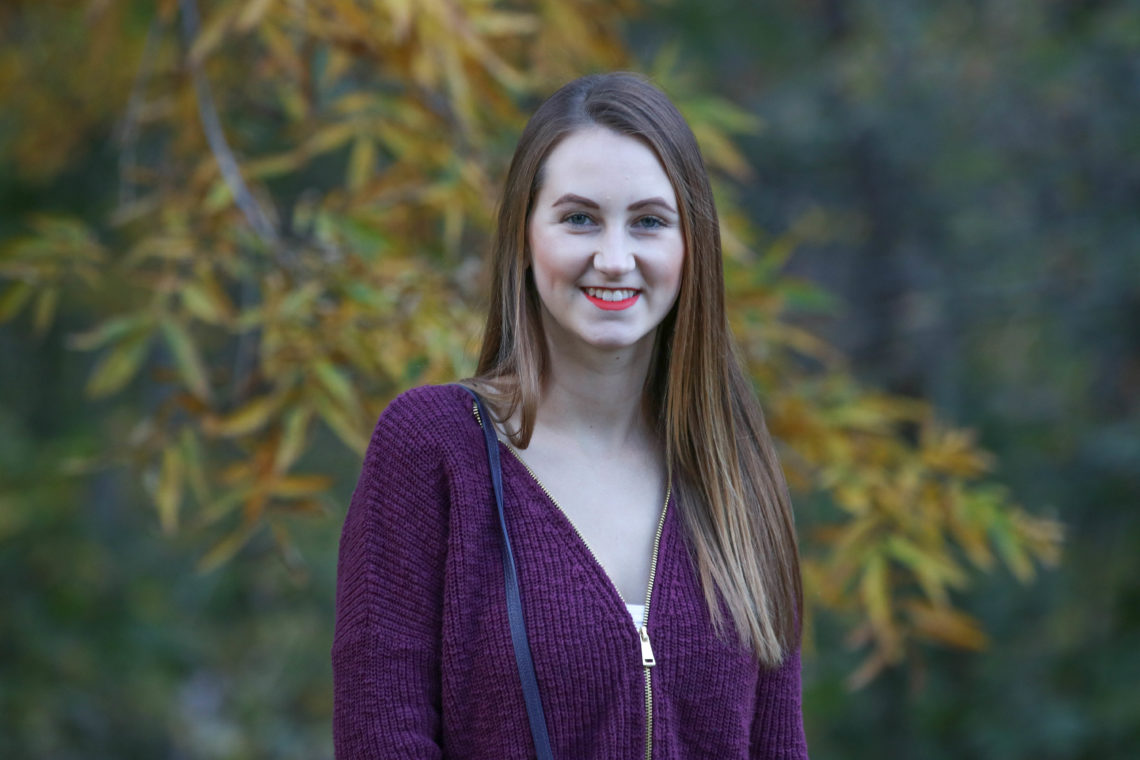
<point>652,202</point>
<point>577,199</point>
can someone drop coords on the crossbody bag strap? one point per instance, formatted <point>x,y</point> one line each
<point>523,658</point>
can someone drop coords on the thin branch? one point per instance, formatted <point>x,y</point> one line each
<point>215,136</point>
<point>129,127</point>
<point>231,173</point>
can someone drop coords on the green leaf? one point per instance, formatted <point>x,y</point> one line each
<point>294,436</point>
<point>933,572</point>
<point>192,459</point>
<point>110,331</point>
<point>364,237</point>
<point>187,359</point>
<point>118,366</point>
<point>875,593</point>
<point>15,297</point>
<point>168,496</point>
<point>1011,550</point>
<point>224,550</point>
<point>345,428</point>
<point>337,384</point>
<point>206,303</point>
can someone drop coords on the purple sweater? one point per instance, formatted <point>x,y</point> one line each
<point>422,660</point>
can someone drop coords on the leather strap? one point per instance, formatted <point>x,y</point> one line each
<point>523,657</point>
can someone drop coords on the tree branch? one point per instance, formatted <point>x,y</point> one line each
<point>216,138</point>
<point>129,127</point>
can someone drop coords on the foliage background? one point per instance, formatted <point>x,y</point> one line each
<point>932,200</point>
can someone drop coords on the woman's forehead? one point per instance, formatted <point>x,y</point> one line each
<point>606,167</point>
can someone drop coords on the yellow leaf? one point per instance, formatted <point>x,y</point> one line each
<point>505,23</point>
<point>310,506</point>
<point>118,366</point>
<point>246,419</point>
<point>254,506</point>
<point>252,14</point>
<point>294,436</point>
<point>947,626</point>
<point>330,138</point>
<point>296,486</point>
<point>1041,535</point>
<point>361,163</point>
<point>168,496</point>
<point>400,12</point>
<point>274,165</point>
<point>211,35</point>
<point>352,17</point>
<point>867,671</point>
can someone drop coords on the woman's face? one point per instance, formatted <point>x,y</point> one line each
<point>605,240</point>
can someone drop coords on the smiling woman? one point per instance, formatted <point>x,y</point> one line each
<point>650,523</point>
<point>604,238</point>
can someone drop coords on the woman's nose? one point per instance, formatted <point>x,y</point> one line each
<point>614,256</point>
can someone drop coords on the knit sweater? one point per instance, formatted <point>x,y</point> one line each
<point>423,665</point>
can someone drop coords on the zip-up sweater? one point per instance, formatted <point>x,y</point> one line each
<point>423,665</point>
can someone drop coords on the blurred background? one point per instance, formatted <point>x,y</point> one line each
<point>231,231</point>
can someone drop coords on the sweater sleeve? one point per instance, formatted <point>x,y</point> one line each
<point>778,726</point>
<point>386,646</point>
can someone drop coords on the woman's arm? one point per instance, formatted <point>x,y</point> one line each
<point>386,649</point>
<point>778,726</point>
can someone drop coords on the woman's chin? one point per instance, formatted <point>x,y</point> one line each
<point>615,343</point>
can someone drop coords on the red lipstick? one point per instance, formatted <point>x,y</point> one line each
<point>601,303</point>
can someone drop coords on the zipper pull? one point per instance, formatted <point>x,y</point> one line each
<point>647,659</point>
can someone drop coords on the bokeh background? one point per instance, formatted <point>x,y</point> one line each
<point>230,231</point>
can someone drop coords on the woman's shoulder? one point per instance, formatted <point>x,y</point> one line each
<point>427,419</point>
<point>429,408</point>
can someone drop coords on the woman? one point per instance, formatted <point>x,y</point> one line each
<point>650,522</point>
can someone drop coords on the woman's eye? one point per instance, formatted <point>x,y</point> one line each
<point>578,219</point>
<point>650,222</point>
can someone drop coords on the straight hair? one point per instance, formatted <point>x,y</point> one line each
<point>730,489</point>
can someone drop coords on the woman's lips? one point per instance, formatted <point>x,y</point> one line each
<point>612,299</point>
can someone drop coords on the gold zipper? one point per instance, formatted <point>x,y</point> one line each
<point>647,658</point>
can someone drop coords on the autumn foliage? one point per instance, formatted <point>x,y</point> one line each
<point>296,232</point>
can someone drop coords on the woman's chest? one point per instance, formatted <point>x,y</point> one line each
<point>588,654</point>
<point>614,509</point>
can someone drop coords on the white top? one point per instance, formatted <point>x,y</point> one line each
<point>638,613</point>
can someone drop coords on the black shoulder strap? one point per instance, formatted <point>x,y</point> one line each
<point>523,657</point>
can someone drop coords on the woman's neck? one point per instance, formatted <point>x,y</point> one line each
<point>596,396</point>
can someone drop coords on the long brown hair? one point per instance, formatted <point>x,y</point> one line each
<point>723,465</point>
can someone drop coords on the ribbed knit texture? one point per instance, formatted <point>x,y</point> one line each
<point>422,659</point>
